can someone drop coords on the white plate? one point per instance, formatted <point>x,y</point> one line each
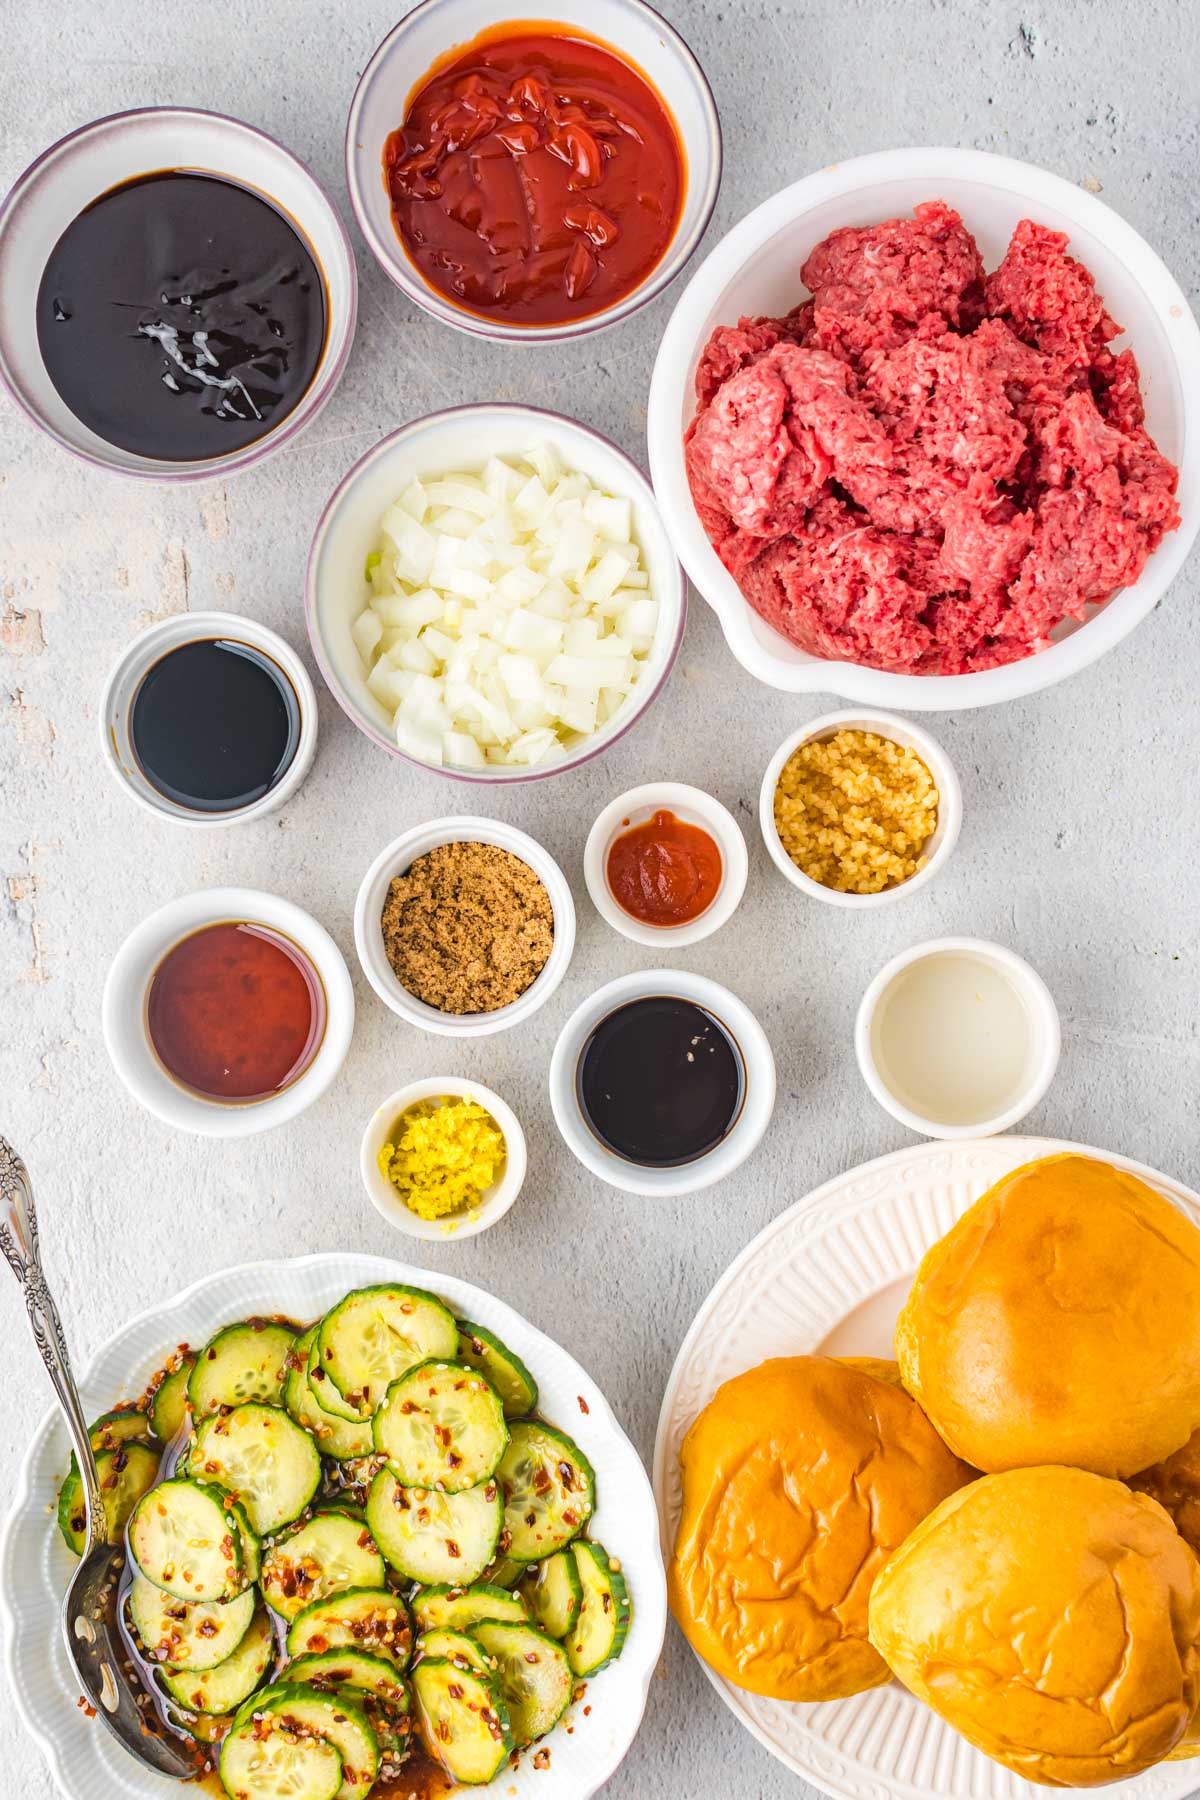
<point>86,1762</point>
<point>830,1275</point>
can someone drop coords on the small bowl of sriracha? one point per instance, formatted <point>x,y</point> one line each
<point>665,864</point>
<point>588,174</point>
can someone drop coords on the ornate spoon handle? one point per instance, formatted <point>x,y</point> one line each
<point>19,1243</point>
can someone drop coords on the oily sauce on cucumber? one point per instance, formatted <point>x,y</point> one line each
<point>181,316</point>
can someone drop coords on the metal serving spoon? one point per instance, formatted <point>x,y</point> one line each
<point>88,1615</point>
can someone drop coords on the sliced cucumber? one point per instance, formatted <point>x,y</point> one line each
<point>127,1424</point>
<point>265,1460</point>
<point>553,1592</point>
<point>326,1555</point>
<point>377,1334</point>
<point>242,1362</point>
<point>357,1669</point>
<point>191,1637</point>
<point>338,1437</point>
<point>599,1633</point>
<point>262,1759</point>
<point>459,1609</point>
<point>481,1350</point>
<point>335,1717</point>
<point>454,1646</point>
<point>431,1537</point>
<point>503,1573</point>
<point>169,1407</point>
<point>324,1391</point>
<point>441,1425</point>
<point>184,1540</point>
<point>251,1542</point>
<point>219,1690</point>
<point>462,1720</point>
<point>204,1728</point>
<point>533,1672</point>
<point>371,1619</point>
<point>126,1473</point>
<point>549,1491</point>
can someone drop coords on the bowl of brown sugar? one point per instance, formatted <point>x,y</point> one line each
<point>464,926</point>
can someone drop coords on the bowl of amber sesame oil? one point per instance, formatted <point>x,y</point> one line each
<point>860,809</point>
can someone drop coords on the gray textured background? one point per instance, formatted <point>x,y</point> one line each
<point>1079,846</point>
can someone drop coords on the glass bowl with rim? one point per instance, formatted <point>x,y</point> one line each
<point>423,37</point>
<point>74,172</point>
<point>464,437</point>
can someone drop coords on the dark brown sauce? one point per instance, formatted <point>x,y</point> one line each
<point>214,725</point>
<point>181,316</point>
<point>660,1081</point>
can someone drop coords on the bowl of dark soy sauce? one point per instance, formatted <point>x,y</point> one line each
<point>662,1082</point>
<point>209,719</point>
<point>177,294</point>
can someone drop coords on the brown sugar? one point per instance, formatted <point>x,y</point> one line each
<point>467,928</point>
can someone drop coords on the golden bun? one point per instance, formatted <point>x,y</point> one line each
<point>1175,1484</point>
<point>1052,1617</point>
<point>1059,1322</point>
<point>800,1478</point>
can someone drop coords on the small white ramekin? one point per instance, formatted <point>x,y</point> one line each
<point>498,1198</point>
<point>136,661</point>
<point>424,36</point>
<point>400,855</point>
<point>123,1011</point>
<point>694,807</point>
<point>746,1134</point>
<point>910,737</point>
<point>463,437</point>
<point>83,165</point>
<point>1045,1036</point>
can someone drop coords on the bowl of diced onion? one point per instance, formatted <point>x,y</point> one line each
<point>492,593</point>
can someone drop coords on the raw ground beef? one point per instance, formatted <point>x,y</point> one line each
<point>924,468</point>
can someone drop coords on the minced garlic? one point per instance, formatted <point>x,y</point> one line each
<point>855,811</point>
<point>444,1158</point>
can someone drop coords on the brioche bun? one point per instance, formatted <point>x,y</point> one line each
<point>800,1478</point>
<point>1059,1322</point>
<point>1052,1617</point>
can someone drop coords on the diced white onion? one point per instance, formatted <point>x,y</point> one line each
<point>507,612</point>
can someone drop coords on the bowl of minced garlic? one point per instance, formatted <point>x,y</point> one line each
<point>859,809</point>
<point>443,1158</point>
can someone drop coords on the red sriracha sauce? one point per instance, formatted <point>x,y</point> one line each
<point>665,871</point>
<point>537,177</point>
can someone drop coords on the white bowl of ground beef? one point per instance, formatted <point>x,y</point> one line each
<point>754,273</point>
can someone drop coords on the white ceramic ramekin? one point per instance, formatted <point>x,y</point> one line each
<point>400,855</point>
<point>463,438</point>
<point>498,1198</point>
<point>1044,1028</point>
<point>425,34</point>
<point>135,663</point>
<point>755,269</point>
<point>911,737</point>
<point>85,164</point>
<point>694,807</point>
<point>757,1060</point>
<point>123,1011</point>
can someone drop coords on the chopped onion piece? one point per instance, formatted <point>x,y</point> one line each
<point>507,613</point>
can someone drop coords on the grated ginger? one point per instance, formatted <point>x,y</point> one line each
<point>445,1156</point>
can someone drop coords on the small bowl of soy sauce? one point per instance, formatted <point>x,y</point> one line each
<point>662,1082</point>
<point>177,294</point>
<point>209,719</point>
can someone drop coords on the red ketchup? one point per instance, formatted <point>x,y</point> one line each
<point>665,871</point>
<point>537,177</point>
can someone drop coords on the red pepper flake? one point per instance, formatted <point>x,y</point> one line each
<point>583,1405</point>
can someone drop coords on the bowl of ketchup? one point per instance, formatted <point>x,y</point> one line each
<point>531,179</point>
<point>665,864</point>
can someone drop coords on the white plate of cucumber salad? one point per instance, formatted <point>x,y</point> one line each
<point>372,1514</point>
